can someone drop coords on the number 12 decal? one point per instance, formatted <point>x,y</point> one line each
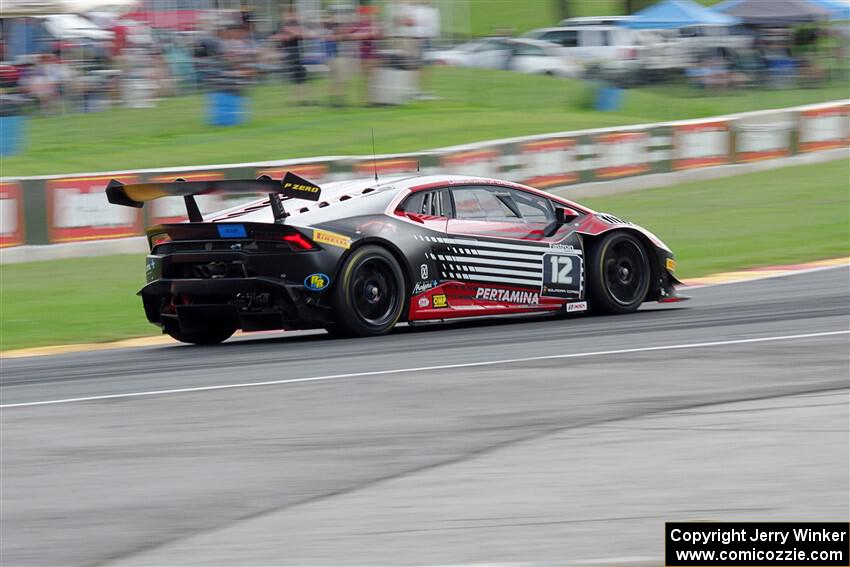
<point>561,268</point>
<point>562,275</point>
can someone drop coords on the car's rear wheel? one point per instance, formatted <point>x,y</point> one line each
<point>369,294</point>
<point>211,336</point>
<point>618,275</point>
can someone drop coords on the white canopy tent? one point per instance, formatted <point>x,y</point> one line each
<point>22,8</point>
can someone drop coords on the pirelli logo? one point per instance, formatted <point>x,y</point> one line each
<point>331,238</point>
<point>671,265</point>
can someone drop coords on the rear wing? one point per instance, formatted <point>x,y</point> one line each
<point>291,187</point>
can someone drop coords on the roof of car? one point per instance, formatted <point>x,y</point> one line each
<point>339,191</point>
<point>577,28</point>
<point>592,20</point>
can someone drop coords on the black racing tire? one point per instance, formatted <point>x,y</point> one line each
<point>619,274</point>
<point>369,295</point>
<point>211,336</point>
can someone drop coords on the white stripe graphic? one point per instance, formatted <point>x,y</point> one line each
<point>498,270</point>
<point>532,267</point>
<point>495,279</point>
<point>501,245</point>
<point>498,254</point>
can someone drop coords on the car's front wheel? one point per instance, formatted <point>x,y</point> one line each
<point>369,294</point>
<point>618,274</point>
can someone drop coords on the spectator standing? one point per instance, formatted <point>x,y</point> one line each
<point>417,25</point>
<point>368,33</point>
<point>289,39</point>
<point>39,84</point>
<point>138,86</point>
<point>62,74</point>
<point>340,50</point>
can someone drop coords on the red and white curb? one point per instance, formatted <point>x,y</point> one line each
<point>765,272</point>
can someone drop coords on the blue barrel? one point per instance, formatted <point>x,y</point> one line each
<point>608,99</point>
<point>226,109</point>
<point>12,131</point>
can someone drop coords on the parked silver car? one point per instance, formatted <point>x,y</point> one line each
<point>521,55</point>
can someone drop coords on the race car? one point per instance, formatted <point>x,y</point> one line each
<point>357,257</point>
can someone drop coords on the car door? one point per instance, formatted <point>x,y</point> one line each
<point>493,54</point>
<point>503,244</point>
<point>529,59</point>
<point>592,45</point>
<point>431,209</point>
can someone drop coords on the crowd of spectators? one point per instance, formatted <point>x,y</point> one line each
<point>777,58</point>
<point>225,51</point>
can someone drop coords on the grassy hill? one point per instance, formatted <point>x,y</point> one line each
<point>474,105</point>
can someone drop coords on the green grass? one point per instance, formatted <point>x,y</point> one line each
<point>476,105</point>
<point>782,216</point>
<point>66,301</point>
<point>787,215</point>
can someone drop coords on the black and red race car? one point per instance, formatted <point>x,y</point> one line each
<point>357,257</point>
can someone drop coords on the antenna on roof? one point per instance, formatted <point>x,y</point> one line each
<point>374,159</point>
<point>417,167</point>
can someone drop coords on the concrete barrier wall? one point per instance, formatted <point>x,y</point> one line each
<point>60,209</point>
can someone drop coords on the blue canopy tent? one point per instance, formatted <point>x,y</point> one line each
<point>838,9</point>
<point>670,14</point>
<point>775,12</point>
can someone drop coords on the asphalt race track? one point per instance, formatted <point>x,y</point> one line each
<point>404,450</point>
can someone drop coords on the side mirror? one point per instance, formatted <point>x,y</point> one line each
<point>564,215</point>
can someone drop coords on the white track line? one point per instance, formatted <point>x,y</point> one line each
<point>419,369</point>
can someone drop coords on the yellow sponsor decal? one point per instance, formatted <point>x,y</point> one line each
<point>332,238</point>
<point>316,282</point>
<point>439,301</point>
<point>300,187</point>
<point>671,265</point>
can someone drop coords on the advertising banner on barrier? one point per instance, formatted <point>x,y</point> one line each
<point>480,163</point>
<point>77,209</point>
<point>173,209</point>
<point>547,163</point>
<point>313,171</point>
<point>763,136</point>
<point>701,145</point>
<point>11,214</point>
<point>394,166</point>
<point>825,128</point>
<point>620,154</point>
